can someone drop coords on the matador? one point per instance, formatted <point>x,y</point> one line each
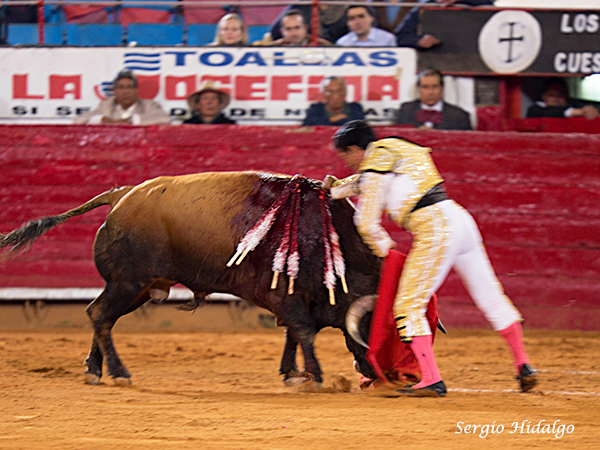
<point>400,178</point>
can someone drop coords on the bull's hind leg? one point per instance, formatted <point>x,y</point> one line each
<point>115,301</point>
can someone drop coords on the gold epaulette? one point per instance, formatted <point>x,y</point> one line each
<point>378,158</point>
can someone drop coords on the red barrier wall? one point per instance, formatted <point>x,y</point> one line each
<point>534,196</point>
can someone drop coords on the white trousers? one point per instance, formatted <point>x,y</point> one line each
<point>445,235</point>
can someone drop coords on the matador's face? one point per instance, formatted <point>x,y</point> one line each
<point>352,157</point>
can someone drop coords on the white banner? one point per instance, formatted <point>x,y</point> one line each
<point>266,84</point>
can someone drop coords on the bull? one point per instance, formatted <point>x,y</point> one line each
<point>184,229</point>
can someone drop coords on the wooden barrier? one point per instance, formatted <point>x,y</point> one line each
<point>534,196</point>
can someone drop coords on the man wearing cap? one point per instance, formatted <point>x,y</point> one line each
<point>207,104</point>
<point>125,107</point>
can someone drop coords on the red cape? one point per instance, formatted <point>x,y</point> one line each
<point>392,359</point>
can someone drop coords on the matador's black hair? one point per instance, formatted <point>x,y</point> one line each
<point>356,132</point>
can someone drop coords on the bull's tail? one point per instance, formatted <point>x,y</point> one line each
<point>24,236</point>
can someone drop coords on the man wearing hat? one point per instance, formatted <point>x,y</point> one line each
<point>207,104</point>
<point>125,107</point>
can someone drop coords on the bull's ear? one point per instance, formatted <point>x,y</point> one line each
<point>355,313</point>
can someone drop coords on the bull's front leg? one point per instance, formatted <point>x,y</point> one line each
<point>288,367</point>
<point>301,329</point>
<point>306,337</point>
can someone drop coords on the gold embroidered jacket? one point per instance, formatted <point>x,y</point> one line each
<point>394,175</point>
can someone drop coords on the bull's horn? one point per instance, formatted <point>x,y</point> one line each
<point>441,327</point>
<point>354,315</point>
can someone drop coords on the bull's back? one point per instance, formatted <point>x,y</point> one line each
<point>193,216</point>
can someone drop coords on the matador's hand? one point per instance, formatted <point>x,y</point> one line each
<point>328,181</point>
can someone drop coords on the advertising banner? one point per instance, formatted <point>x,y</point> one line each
<point>513,41</point>
<point>268,85</point>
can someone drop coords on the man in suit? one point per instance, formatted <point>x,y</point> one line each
<point>429,111</point>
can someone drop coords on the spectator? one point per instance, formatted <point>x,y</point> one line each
<point>125,106</point>
<point>363,33</point>
<point>334,110</point>
<point>332,21</point>
<point>555,102</point>
<point>231,32</point>
<point>407,34</point>
<point>295,32</point>
<point>207,104</point>
<point>429,111</point>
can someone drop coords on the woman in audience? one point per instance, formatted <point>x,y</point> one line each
<point>231,32</point>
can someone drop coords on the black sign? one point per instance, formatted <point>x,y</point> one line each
<point>490,40</point>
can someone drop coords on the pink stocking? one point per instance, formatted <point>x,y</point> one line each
<point>422,347</point>
<point>514,337</point>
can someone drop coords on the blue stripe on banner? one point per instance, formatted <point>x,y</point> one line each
<point>141,61</point>
<point>154,69</point>
<point>143,55</point>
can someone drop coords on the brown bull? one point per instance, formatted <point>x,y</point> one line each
<point>184,230</point>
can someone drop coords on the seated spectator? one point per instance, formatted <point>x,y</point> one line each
<point>231,32</point>
<point>363,33</point>
<point>429,111</point>
<point>207,104</point>
<point>332,21</point>
<point>125,106</point>
<point>294,31</point>
<point>555,102</point>
<point>334,109</point>
<point>407,34</point>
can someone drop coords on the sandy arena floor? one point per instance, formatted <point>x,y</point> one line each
<point>222,391</point>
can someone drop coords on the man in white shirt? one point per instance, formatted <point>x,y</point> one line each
<point>125,107</point>
<point>363,33</point>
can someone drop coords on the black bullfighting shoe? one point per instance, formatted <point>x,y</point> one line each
<point>433,390</point>
<point>528,377</point>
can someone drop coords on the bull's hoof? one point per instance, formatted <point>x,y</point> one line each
<point>122,381</point>
<point>92,378</point>
<point>295,381</point>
